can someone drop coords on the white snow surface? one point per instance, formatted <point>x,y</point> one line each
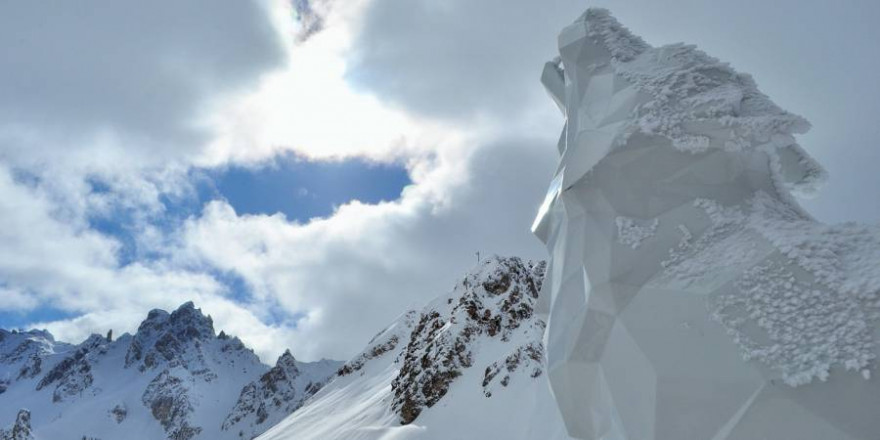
<point>631,232</point>
<point>811,316</point>
<point>513,404</point>
<point>193,377</point>
<point>699,103</point>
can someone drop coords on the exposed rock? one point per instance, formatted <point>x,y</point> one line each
<point>21,430</point>
<point>73,375</point>
<point>384,342</point>
<point>16,347</point>
<point>186,378</point>
<point>119,412</point>
<point>529,357</point>
<point>169,403</point>
<point>278,392</point>
<point>31,368</point>
<point>493,302</point>
<point>231,344</point>
<point>167,339</point>
<point>24,350</point>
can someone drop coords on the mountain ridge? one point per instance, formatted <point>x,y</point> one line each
<point>174,378</point>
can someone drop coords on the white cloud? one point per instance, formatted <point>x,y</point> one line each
<point>459,59</point>
<point>352,273</point>
<point>16,300</point>
<point>311,109</point>
<point>130,78</point>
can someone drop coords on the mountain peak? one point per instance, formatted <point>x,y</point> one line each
<point>470,364</point>
<point>168,336</point>
<point>29,334</point>
<point>196,324</point>
<point>494,301</point>
<point>156,315</point>
<point>187,305</point>
<point>286,360</point>
<point>21,430</point>
<point>286,366</point>
<point>22,351</point>
<point>278,392</point>
<point>187,322</point>
<point>496,275</point>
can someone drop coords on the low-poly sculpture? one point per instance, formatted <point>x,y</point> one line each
<point>689,295</point>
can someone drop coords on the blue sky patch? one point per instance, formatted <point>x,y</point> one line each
<point>11,320</point>
<point>302,189</point>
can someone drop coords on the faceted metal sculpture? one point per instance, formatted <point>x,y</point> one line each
<point>689,296</point>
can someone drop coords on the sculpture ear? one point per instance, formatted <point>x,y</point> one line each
<point>554,82</point>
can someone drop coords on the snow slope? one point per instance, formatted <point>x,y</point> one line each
<point>173,379</point>
<point>467,366</point>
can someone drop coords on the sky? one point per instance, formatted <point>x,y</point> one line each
<point>307,171</point>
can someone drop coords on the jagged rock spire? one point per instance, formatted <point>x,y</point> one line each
<point>21,429</point>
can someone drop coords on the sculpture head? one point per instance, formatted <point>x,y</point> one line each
<point>652,129</point>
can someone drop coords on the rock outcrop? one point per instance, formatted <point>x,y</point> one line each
<point>21,429</point>
<point>277,393</point>
<point>171,340</point>
<point>22,354</point>
<point>493,302</point>
<point>167,397</point>
<point>73,375</point>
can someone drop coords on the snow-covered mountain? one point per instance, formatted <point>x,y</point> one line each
<point>174,378</point>
<point>469,365</point>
